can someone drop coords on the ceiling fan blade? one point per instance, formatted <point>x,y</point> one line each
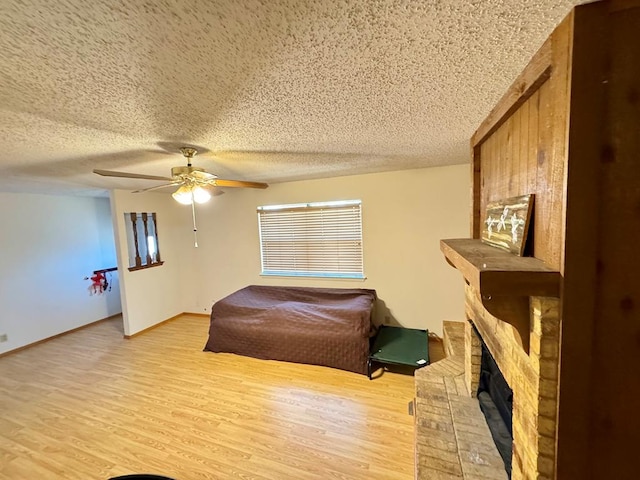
<point>111,173</point>
<point>201,175</point>
<point>157,187</point>
<point>219,182</point>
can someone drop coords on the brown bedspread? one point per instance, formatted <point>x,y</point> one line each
<point>320,326</point>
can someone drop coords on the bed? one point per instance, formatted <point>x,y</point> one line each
<point>319,326</point>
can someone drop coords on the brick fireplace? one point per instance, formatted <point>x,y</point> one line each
<point>533,377</point>
<point>562,320</point>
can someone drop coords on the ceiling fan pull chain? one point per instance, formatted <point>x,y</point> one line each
<point>193,214</point>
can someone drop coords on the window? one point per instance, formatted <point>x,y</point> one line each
<point>142,240</point>
<point>312,239</point>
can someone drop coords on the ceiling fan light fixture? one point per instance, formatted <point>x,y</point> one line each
<point>183,195</point>
<point>200,195</point>
<point>186,195</point>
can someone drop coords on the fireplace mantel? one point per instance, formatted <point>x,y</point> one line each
<point>503,281</point>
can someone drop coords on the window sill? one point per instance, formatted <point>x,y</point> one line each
<point>142,267</point>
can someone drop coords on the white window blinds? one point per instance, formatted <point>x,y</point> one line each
<point>315,239</point>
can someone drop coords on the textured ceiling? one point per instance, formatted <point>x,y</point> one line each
<point>275,90</point>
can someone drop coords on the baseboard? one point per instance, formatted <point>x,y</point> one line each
<point>193,314</point>
<point>156,325</point>
<point>175,317</point>
<point>16,350</point>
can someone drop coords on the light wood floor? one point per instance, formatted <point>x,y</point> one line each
<point>90,405</point>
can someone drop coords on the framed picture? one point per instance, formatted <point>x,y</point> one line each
<point>506,223</point>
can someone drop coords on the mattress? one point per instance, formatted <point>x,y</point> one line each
<point>320,326</point>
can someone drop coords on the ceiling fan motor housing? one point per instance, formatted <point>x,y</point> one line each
<point>177,171</point>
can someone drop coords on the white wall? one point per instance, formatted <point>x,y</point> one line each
<point>405,214</point>
<point>150,296</point>
<point>48,245</point>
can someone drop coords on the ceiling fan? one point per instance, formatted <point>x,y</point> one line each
<point>191,181</point>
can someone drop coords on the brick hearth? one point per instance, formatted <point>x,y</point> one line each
<point>452,437</point>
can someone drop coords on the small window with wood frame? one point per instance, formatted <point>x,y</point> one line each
<point>142,240</point>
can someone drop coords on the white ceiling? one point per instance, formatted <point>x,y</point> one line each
<point>275,90</point>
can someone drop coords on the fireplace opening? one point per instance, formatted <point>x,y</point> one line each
<point>496,403</point>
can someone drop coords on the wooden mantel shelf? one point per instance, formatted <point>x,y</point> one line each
<point>503,281</point>
<point>492,271</point>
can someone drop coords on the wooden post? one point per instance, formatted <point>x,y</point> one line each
<point>134,217</point>
<point>146,237</point>
<point>155,230</point>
